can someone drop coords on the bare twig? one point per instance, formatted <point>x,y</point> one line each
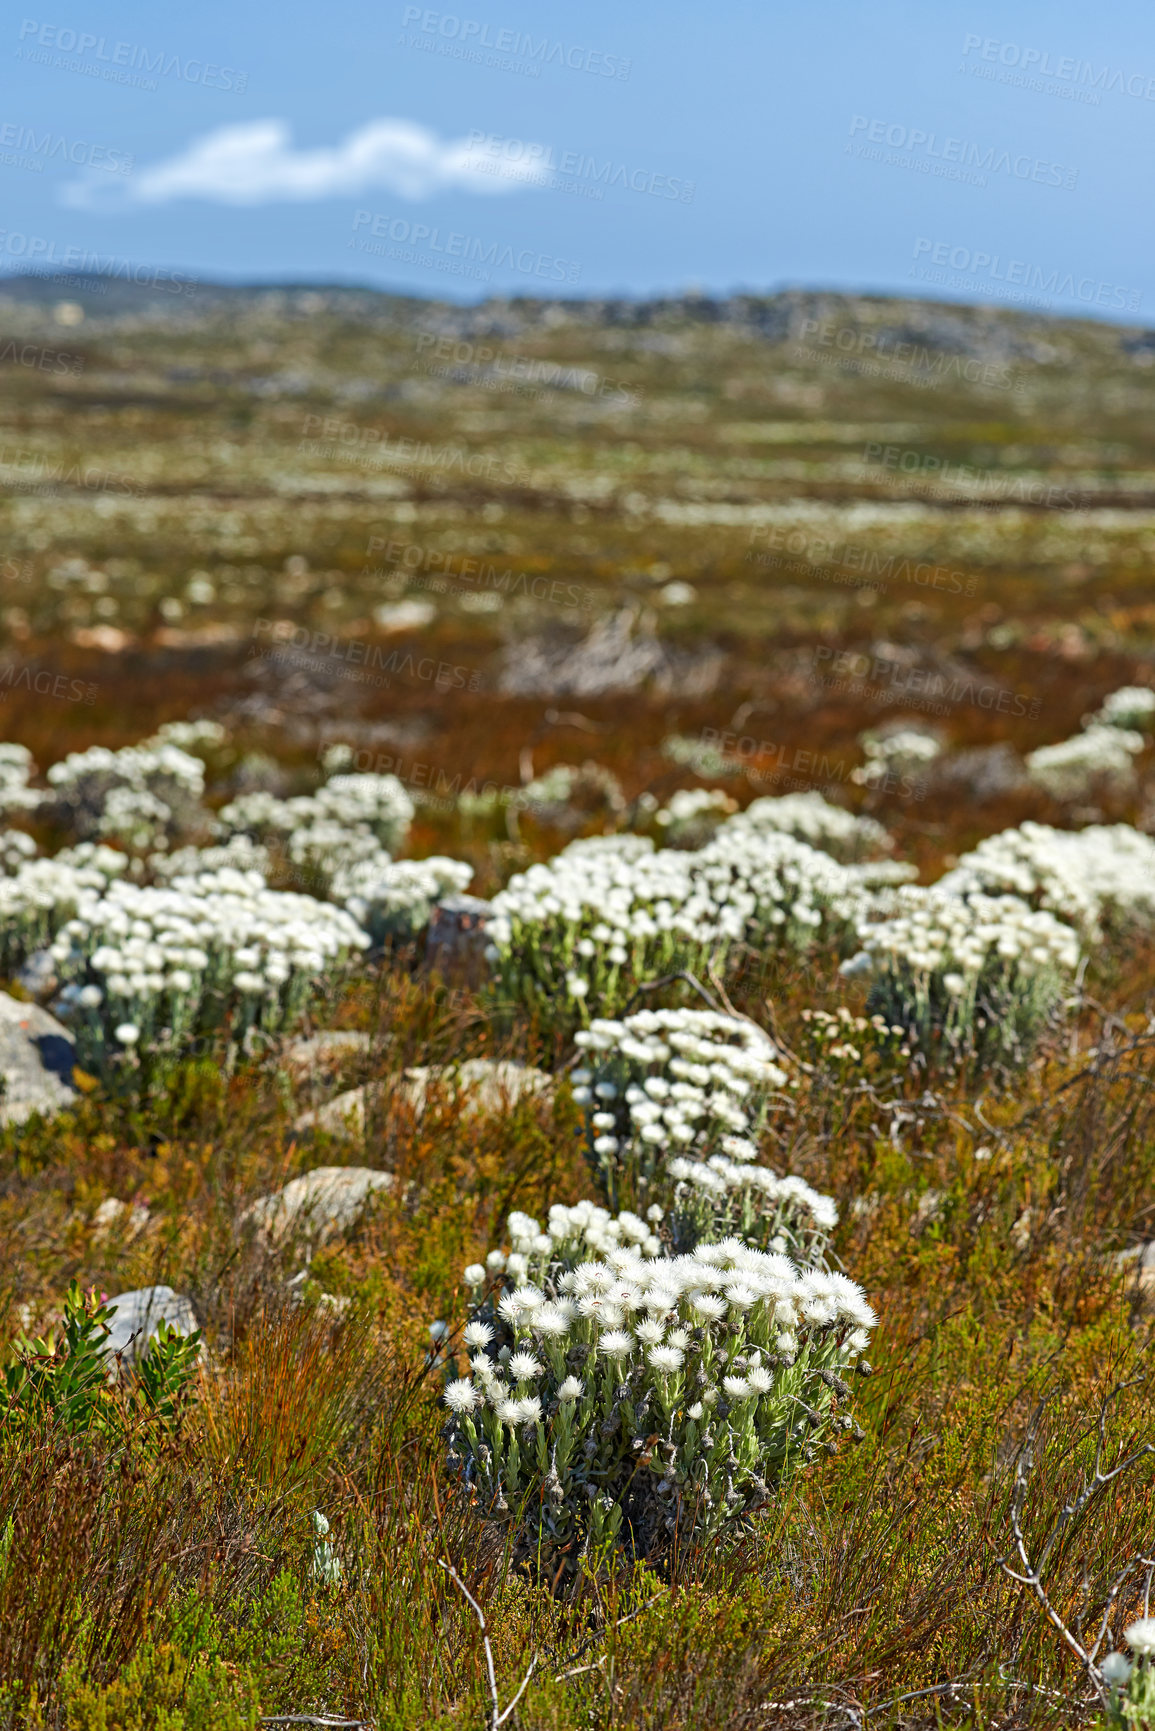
<point>314,1719</point>
<point>1031,1574</point>
<point>668,980</point>
<point>499,1716</point>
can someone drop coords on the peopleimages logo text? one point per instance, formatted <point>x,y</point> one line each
<point>127,56</point>
<point>472,33</point>
<point>450,244</point>
<point>1023,275</point>
<point>960,152</point>
<point>1067,68</point>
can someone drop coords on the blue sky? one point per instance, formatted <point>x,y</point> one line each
<point>506,147</point>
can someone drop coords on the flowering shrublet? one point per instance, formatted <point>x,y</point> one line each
<point>615,916</point>
<point>569,794</point>
<point>843,1041</point>
<point>395,898</point>
<point>810,818</point>
<point>142,794</point>
<point>16,767</point>
<point>16,849</point>
<point>670,1082</point>
<point>350,817</point>
<point>966,977</point>
<point>693,815</point>
<point>608,918</point>
<point>239,853</point>
<point>905,751</point>
<point>43,893</point>
<point>212,950</point>
<point>730,1195</point>
<point>1098,760</point>
<point>619,1396</point>
<point>198,738</point>
<point>1132,707</point>
<point>1099,878</point>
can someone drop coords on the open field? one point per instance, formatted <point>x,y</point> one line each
<point>743,546</point>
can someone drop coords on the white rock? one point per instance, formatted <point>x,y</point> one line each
<point>117,1218</point>
<point>326,1051</point>
<point>488,1084</point>
<point>483,1085</point>
<point>318,1205</point>
<point>138,1315</point>
<point>344,1115</point>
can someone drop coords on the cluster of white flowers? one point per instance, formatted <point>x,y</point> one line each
<point>195,737</point>
<point>621,1396</point>
<point>1132,706</point>
<point>350,818</point>
<point>16,849</point>
<point>730,1194</point>
<point>141,794</point>
<point>1098,760</point>
<point>1099,878</point>
<point>42,893</point>
<point>395,898</point>
<point>579,933</point>
<point>670,1082</point>
<point>977,976</point>
<point>568,785</point>
<point>593,922</point>
<point>16,768</point>
<point>811,818</point>
<point>842,1039</point>
<point>693,815</point>
<point>239,853</point>
<point>780,891</point>
<point>906,752</point>
<point>149,967</point>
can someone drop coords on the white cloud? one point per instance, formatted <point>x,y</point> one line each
<point>256,163</point>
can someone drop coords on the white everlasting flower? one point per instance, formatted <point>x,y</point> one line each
<point>128,1033</point>
<point>616,1343</point>
<point>461,1396</point>
<point>524,1366</point>
<point>474,1275</point>
<point>1140,1637</point>
<point>551,1322</point>
<point>666,1359</point>
<point>570,1389</point>
<point>1116,1670</point>
<point>737,1387</point>
<point>478,1334</point>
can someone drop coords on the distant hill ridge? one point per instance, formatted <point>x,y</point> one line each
<point>862,323</point>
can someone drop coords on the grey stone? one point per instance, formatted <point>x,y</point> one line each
<point>37,1055</point>
<point>138,1315</point>
<point>319,1205</point>
<point>455,943</point>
